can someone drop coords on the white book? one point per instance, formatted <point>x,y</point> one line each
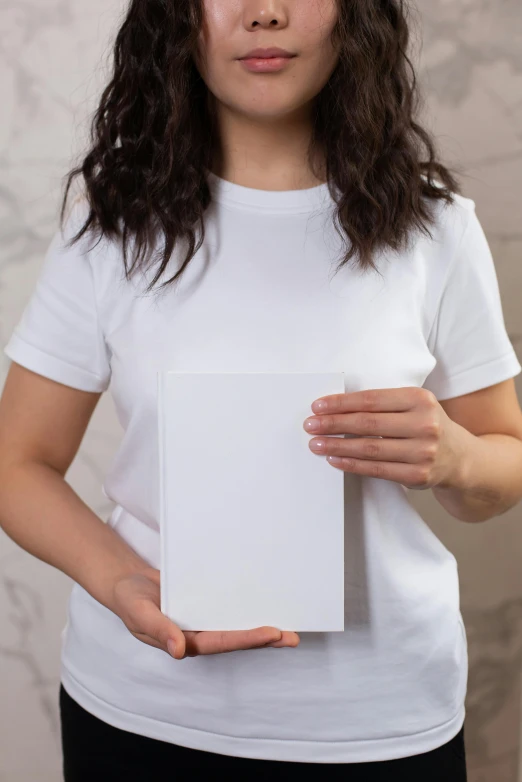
<point>251,520</point>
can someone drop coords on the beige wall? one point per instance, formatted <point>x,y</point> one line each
<point>472,68</point>
<point>51,68</point>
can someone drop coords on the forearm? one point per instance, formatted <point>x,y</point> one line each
<point>45,516</point>
<point>488,481</point>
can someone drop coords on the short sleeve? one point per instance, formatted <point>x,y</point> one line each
<point>59,333</point>
<point>468,337</point>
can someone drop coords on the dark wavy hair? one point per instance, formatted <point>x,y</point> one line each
<point>153,138</point>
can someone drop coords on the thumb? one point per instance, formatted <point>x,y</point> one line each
<point>164,630</point>
<point>173,638</point>
<point>176,642</point>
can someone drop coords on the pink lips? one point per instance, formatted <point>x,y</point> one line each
<point>266,60</point>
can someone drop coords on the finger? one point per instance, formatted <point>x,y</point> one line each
<point>407,474</point>
<point>384,449</point>
<point>369,424</point>
<point>231,640</point>
<point>152,622</point>
<point>373,400</point>
<point>288,639</point>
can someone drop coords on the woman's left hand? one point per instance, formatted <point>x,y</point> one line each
<point>405,436</point>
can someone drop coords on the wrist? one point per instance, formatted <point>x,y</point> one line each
<point>115,561</point>
<point>462,447</point>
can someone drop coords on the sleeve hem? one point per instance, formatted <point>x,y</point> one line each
<point>31,357</point>
<point>478,377</point>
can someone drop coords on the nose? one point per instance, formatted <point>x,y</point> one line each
<point>265,14</point>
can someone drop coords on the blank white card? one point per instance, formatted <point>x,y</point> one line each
<point>251,520</point>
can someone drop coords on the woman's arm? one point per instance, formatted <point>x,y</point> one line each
<point>42,424</point>
<point>489,481</point>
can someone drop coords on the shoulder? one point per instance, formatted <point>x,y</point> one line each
<point>75,214</point>
<point>98,261</point>
<point>450,219</point>
<point>455,218</point>
<point>447,232</point>
<point>436,254</point>
<point>103,254</point>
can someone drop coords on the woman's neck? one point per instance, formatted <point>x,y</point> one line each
<point>266,154</point>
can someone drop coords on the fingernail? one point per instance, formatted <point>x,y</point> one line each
<point>334,459</point>
<point>313,424</point>
<point>171,646</point>
<point>317,445</point>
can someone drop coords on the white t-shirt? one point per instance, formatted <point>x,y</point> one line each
<point>261,295</point>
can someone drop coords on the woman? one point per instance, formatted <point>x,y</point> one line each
<point>271,147</point>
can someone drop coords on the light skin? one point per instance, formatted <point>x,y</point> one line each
<point>265,119</point>
<point>468,450</point>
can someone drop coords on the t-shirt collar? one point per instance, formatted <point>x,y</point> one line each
<point>275,201</point>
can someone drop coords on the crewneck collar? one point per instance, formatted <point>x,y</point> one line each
<point>276,201</point>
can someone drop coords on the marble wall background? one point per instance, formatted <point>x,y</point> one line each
<point>53,56</point>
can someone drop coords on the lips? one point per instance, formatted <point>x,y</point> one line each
<point>267,54</point>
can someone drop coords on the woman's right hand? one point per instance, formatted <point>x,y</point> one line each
<point>137,603</point>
